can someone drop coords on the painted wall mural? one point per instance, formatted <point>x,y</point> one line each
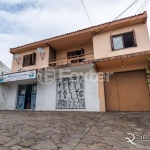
<point>71,93</point>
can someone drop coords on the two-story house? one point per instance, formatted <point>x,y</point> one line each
<point>118,48</point>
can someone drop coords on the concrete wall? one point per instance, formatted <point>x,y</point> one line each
<point>102,44</point>
<point>88,48</point>
<point>4,90</point>
<point>39,62</point>
<point>46,97</point>
<point>13,93</point>
<point>3,68</point>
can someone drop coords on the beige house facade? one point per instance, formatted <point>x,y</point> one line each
<point>115,52</point>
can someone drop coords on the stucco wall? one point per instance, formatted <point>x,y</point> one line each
<point>4,90</point>
<point>39,62</point>
<point>3,68</point>
<point>88,48</point>
<point>46,97</point>
<point>102,44</point>
<point>13,92</point>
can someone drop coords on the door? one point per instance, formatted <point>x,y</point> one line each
<point>33,96</point>
<point>112,93</point>
<point>21,97</point>
<point>27,103</point>
<point>127,91</point>
<point>27,96</point>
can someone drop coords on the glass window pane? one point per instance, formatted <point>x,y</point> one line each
<point>118,43</point>
<point>21,90</point>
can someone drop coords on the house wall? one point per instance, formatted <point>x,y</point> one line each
<point>102,44</point>
<point>4,90</point>
<point>117,68</point>
<point>88,48</point>
<point>13,92</point>
<point>46,95</point>
<point>39,62</point>
<point>3,68</point>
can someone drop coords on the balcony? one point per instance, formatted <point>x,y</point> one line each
<point>72,61</point>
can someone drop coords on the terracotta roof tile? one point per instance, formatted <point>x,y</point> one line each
<point>78,30</point>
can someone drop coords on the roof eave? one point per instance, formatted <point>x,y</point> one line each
<point>90,29</point>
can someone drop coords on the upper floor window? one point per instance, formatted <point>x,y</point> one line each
<point>124,40</point>
<point>29,60</point>
<point>76,54</point>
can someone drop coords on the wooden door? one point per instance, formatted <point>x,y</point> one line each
<point>127,91</point>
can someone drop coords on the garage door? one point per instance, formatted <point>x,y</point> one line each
<point>127,91</point>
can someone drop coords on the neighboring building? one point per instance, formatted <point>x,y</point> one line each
<point>121,47</point>
<point>4,89</point>
<point>4,69</point>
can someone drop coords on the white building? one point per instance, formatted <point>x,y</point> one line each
<point>4,89</point>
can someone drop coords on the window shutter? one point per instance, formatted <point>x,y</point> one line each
<point>135,43</point>
<point>24,60</point>
<point>82,51</point>
<point>68,54</point>
<point>112,43</point>
<point>28,60</point>
<point>33,58</point>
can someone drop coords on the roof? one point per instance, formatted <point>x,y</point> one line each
<point>3,67</point>
<point>143,15</point>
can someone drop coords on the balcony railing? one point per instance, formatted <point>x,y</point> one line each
<point>72,61</point>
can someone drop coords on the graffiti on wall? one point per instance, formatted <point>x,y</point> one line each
<point>71,93</point>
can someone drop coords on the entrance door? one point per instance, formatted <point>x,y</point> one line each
<point>27,96</point>
<point>21,96</point>
<point>127,91</point>
<point>33,96</point>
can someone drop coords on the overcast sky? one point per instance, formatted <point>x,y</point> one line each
<point>26,21</point>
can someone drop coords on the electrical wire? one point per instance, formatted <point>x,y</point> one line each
<point>133,8</point>
<point>143,5</point>
<point>140,12</point>
<point>108,24</point>
<point>122,25</point>
<point>86,12</point>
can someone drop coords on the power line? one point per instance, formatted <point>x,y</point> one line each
<point>143,5</point>
<point>119,15</point>
<point>86,12</point>
<point>109,23</point>
<point>133,7</point>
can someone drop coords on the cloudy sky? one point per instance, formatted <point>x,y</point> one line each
<point>26,21</point>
